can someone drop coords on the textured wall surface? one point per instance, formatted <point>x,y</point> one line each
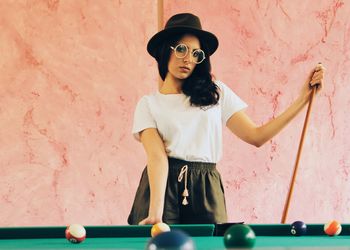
<point>72,72</point>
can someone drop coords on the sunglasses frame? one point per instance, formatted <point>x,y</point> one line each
<point>188,49</point>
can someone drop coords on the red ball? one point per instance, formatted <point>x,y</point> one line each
<point>332,228</point>
<point>75,233</point>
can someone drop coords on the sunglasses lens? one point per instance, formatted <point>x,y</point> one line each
<point>181,50</point>
<point>198,56</point>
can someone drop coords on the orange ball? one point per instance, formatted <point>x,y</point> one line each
<point>159,228</point>
<point>332,228</point>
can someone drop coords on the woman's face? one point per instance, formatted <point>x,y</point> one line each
<point>182,68</point>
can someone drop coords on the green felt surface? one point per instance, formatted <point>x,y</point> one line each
<point>275,237</point>
<point>202,243</point>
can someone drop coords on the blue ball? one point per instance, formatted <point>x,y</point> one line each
<point>175,240</point>
<point>298,228</point>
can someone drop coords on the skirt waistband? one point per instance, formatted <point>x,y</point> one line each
<point>178,164</point>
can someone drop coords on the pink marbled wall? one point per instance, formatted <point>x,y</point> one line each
<point>72,72</point>
<point>266,50</point>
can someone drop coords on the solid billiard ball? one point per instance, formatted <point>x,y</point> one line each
<point>239,236</point>
<point>159,228</point>
<point>332,228</point>
<point>298,228</point>
<point>174,239</point>
<point>75,233</point>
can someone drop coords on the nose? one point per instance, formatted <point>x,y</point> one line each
<point>188,58</point>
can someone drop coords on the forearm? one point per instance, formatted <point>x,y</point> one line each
<point>157,169</point>
<point>267,131</point>
<point>243,127</point>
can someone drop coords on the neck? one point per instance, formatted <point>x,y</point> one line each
<point>171,86</point>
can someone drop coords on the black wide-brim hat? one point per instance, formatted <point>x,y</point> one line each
<point>181,24</point>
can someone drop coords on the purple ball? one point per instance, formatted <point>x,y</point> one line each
<point>298,228</point>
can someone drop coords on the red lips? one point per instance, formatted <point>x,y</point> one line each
<point>185,68</point>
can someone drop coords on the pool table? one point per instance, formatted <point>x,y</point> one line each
<point>205,236</point>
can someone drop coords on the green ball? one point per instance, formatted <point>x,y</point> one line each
<point>239,236</point>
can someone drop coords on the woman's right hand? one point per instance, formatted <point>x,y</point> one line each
<point>150,221</point>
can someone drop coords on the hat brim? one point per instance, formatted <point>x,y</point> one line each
<point>204,36</point>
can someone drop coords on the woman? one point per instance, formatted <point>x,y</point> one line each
<point>180,127</point>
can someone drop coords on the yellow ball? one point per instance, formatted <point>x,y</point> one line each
<point>159,228</point>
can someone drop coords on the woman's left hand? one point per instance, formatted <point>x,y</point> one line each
<point>317,77</point>
<point>315,80</point>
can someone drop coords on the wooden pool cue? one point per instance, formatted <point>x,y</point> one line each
<point>291,187</point>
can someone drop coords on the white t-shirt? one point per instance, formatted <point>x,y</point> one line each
<point>188,132</point>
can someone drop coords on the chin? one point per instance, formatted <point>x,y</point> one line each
<point>183,76</point>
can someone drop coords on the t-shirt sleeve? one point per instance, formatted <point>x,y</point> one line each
<point>229,101</point>
<point>142,118</point>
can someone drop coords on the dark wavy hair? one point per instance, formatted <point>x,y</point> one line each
<point>199,86</point>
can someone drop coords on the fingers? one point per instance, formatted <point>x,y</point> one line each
<point>317,76</point>
<point>149,221</point>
